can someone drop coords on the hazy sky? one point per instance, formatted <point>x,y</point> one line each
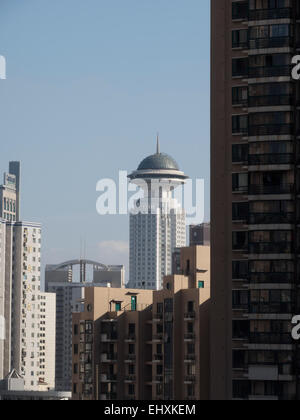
<point>89,83</point>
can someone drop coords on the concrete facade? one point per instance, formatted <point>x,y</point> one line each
<point>146,345</point>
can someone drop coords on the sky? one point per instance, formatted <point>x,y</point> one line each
<point>89,84</point>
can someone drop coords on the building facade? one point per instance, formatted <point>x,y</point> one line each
<point>157,221</point>
<point>47,337</point>
<point>134,344</point>
<point>10,193</point>
<point>255,199</point>
<point>25,322</point>
<point>61,280</point>
<point>200,234</point>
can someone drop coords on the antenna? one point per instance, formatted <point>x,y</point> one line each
<point>157,145</point>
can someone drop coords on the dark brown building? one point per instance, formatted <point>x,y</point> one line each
<point>255,199</point>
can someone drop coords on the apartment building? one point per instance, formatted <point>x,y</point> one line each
<point>25,322</point>
<point>200,234</point>
<point>47,337</point>
<point>70,293</point>
<point>10,193</point>
<point>4,364</point>
<point>255,199</point>
<point>135,344</point>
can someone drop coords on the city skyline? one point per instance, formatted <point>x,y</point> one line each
<point>80,96</point>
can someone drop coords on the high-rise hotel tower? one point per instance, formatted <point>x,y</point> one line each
<point>255,233</point>
<point>157,225</point>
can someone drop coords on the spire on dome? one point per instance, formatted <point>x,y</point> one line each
<point>157,145</point>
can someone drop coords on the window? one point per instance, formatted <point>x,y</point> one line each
<point>239,95</point>
<point>200,284</point>
<point>118,306</point>
<point>191,306</point>
<point>240,153</point>
<point>240,124</point>
<point>240,67</point>
<point>240,211</point>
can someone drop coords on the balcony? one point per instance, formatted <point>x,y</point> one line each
<point>275,71</point>
<point>130,358</point>
<point>268,14</point>
<point>158,317</point>
<point>109,358</point>
<point>271,248</point>
<point>108,378</point>
<point>189,337</point>
<point>190,316</point>
<point>158,338</point>
<point>271,100</point>
<point>190,379</point>
<point>271,218</point>
<point>189,358</point>
<point>265,278</point>
<point>109,337</point>
<point>271,129</point>
<point>269,338</point>
<point>271,189</point>
<point>108,396</point>
<point>271,159</point>
<point>271,308</point>
<point>131,338</point>
<point>158,358</point>
<point>276,42</point>
<point>130,379</point>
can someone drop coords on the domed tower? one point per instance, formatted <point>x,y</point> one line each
<point>157,225</point>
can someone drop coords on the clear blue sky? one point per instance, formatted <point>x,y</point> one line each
<point>89,83</point>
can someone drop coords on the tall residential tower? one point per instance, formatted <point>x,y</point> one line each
<point>255,199</point>
<point>157,224</point>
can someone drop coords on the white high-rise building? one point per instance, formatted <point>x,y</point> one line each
<point>157,224</point>
<point>47,341</point>
<point>3,371</point>
<point>25,320</point>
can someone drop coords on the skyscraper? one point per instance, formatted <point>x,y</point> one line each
<point>10,193</point>
<point>157,225</point>
<point>255,199</point>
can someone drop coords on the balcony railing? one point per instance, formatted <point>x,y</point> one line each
<point>284,13</point>
<point>190,378</point>
<point>276,42</point>
<point>259,278</point>
<point>275,71</point>
<point>269,338</point>
<point>271,129</point>
<point>271,189</point>
<point>271,308</point>
<point>271,218</point>
<point>271,159</point>
<point>189,336</point>
<point>271,248</point>
<point>190,315</point>
<point>271,100</point>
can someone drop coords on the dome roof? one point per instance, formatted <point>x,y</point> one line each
<point>159,161</point>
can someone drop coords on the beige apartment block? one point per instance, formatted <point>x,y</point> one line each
<point>47,324</point>
<point>146,345</point>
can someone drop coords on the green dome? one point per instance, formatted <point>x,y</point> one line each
<point>159,161</point>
